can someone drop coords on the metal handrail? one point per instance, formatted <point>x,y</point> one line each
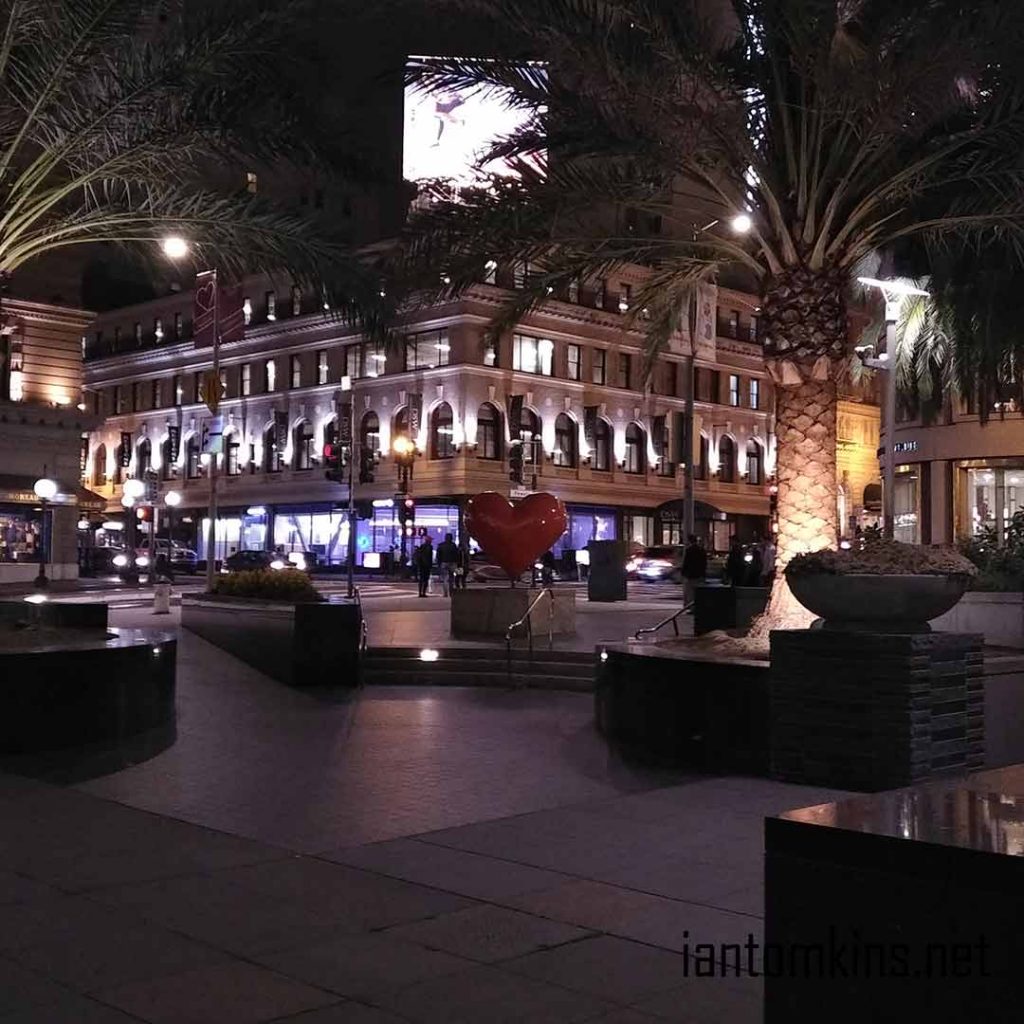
<point>513,626</point>
<point>673,618</point>
<point>363,643</point>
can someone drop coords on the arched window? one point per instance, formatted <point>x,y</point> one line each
<point>271,456</point>
<point>565,440</point>
<point>167,468</point>
<point>369,433</point>
<point>602,457</point>
<point>99,467</point>
<point>755,463</point>
<point>529,431</point>
<point>302,439</point>
<point>400,427</point>
<point>442,432</point>
<point>192,458</point>
<point>330,431</point>
<point>700,470</point>
<point>726,459</point>
<point>488,432</point>
<point>231,445</point>
<point>143,458</point>
<point>636,448</point>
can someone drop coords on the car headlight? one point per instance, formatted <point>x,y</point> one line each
<point>632,565</point>
<point>142,561</point>
<point>120,561</point>
<point>277,564</point>
<point>298,560</point>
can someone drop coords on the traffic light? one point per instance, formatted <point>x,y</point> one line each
<point>407,511</point>
<point>515,462</point>
<point>367,463</point>
<point>334,462</point>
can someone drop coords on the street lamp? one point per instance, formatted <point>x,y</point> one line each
<point>175,247</point>
<point>172,499</point>
<point>405,455</point>
<point>134,489</point>
<point>45,490</point>
<point>895,292</point>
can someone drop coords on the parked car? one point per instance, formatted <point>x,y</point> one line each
<point>249,561</point>
<point>661,563</point>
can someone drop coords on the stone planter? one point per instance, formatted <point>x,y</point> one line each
<point>877,603</point>
<point>299,644</point>
<point>488,611</point>
<point>999,616</point>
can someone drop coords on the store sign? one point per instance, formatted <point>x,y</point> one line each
<point>904,446</point>
<point>174,443</point>
<point>345,423</point>
<point>125,451</point>
<point>415,414</point>
<point>280,431</point>
<point>589,424</point>
<point>520,492</point>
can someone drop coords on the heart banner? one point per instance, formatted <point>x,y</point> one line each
<point>514,536</point>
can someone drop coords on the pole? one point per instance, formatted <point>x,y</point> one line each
<point>211,531</point>
<point>41,580</point>
<point>889,427</point>
<point>351,499</point>
<point>152,541</point>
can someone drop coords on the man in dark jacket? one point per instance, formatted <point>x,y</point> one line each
<point>447,560</point>
<point>424,564</point>
<point>695,569</point>
<point>736,564</point>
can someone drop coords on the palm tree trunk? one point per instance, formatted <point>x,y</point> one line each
<point>804,323</point>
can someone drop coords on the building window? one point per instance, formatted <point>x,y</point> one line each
<point>529,432</point>
<point>700,470</point>
<point>245,379</point>
<point>668,378</point>
<point>321,366</point>
<point>625,297</point>
<point>427,350</point>
<point>727,459</point>
<point>97,403</point>
<point>442,432</point>
<point>599,290</point>
<point>138,404</point>
<point>192,458</point>
<point>488,436</point>
<point>625,366</point>
<point>158,329</point>
<point>143,458</point>
<point>532,355</point>
<point>137,331</point>
<point>753,328</point>
<point>197,387</point>
<point>270,304</point>
<point>99,467</point>
<point>636,453</point>
<point>369,433</point>
<point>295,374</point>
<point>247,311</point>
<point>271,455</point>
<point>598,365</point>
<point>177,327</point>
<point>565,441</point>
<point>755,393</point>
<point>269,376</point>
<point>251,182</point>
<point>118,400</point>
<point>755,463</point>
<point>179,390</point>
<point>296,300</point>
<point>574,361</point>
<point>490,353</point>
<point>573,291</point>
<point>167,464</point>
<point>490,272</point>
<point>602,456</point>
<point>707,384</point>
<point>400,425</point>
<point>734,389</point>
<point>223,383</point>
<point>303,436</point>
<point>231,454</point>
<point>157,396</point>
<point>519,274</point>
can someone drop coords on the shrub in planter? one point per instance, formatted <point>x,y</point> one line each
<point>288,585</point>
<point>883,558</point>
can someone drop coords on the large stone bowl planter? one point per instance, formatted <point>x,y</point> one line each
<point>877,603</point>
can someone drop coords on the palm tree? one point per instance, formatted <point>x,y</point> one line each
<point>843,127</point>
<point>122,121</point>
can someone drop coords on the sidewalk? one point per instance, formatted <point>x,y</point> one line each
<point>429,856</point>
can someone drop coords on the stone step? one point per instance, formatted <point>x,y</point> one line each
<point>425,676</point>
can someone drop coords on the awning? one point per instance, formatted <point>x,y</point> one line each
<point>89,501</point>
<point>16,488</point>
<point>20,489</point>
<point>701,510</point>
<point>873,498</point>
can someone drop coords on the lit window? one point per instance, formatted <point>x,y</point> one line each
<point>296,300</point>
<point>177,326</point>
<point>137,331</point>
<point>251,182</point>
<point>296,372</point>
<point>426,350</point>
<point>490,272</point>
<point>625,368</point>
<point>231,454</point>
<point>158,329</point>
<point>247,310</point>
<point>565,441</point>
<point>197,387</point>
<point>599,365</point>
<point>575,363</point>
<point>625,295</point>
<point>636,449</point>
<point>223,383</point>
<point>573,291</point>
<point>246,379</point>
<point>179,391</point>
<point>303,458</point>
<point>491,354</point>
<point>599,295</point>
<point>321,366</point>
<point>270,376</point>
<point>734,389</point>
<point>755,393</point>
<point>157,394</point>
<point>442,432</point>
<point>270,302</point>
<point>532,355</point>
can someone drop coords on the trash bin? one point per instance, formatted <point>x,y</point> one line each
<point>162,599</point>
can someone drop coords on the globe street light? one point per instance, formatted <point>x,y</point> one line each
<point>175,247</point>
<point>172,499</point>
<point>134,489</point>
<point>45,490</point>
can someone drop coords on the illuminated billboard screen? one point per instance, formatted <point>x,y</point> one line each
<point>447,134</point>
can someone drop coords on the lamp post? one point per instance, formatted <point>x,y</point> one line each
<point>134,489</point>
<point>894,292</point>
<point>172,499</point>
<point>405,454</point>
<point>45,490</point>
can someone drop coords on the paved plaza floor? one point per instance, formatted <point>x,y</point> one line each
<point>397,854</point>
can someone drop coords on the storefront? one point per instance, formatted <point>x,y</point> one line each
<point>990,495</point>
<point>21,533</point>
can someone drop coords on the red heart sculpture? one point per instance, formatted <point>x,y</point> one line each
<point>514,535</point>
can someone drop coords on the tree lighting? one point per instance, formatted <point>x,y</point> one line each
<point>175,247</point>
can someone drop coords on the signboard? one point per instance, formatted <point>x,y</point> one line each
<point>415,414</point>
<point>515,416</point>
<point>213,436</point>
<point>210,390</point>
<point>280,431</point>
<point>216,311</point>
<point>174,443</point>
<point>520,492</point>
<point>904,446</point>
<point>125,451</point>
<point>706,321</point>
<point>345,423</point>
<point>589,424</point>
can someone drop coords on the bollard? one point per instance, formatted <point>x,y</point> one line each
<point>162,599</point>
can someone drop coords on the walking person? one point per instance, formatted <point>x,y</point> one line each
<point>756,565</point>
<point>767,562</point>
<point>695,570</point>
<point>735,564</point>
<point>447,564</point>
<point>424,562</point>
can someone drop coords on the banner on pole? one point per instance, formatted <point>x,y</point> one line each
<point>216,310</point>
<point>515,417</point>
<point>126,449</point>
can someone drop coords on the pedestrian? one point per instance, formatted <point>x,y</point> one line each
<point>756,565</point>
<point>695,570</point>
<point>447,562</point>
<point>767,563</point>
<point>735,564</point>
<point>424,561</point>
<point>547,569</point>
